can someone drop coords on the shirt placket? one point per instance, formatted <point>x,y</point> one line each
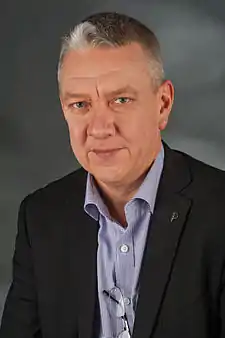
<point>124,268</point>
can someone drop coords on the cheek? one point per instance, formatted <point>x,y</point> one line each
<point>141,128</point>
<point>77,132</point>
<point>142,136</point>
<point>77,143</point>
<point>77,140</point>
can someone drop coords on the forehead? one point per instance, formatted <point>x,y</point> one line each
<point>105,66</point>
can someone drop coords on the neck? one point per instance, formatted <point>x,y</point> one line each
<point>116,196</point>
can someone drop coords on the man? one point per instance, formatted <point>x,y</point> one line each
<point>133,243</point>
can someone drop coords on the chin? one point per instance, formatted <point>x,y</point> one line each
<point>107,175</point>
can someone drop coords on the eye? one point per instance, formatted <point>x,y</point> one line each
<point>78,105</point>
<point>122,100</point>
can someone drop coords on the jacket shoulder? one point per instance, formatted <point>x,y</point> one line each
<point>59,191</point>
<point>204,175</point>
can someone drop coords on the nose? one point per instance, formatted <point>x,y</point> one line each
<point>101,124</point>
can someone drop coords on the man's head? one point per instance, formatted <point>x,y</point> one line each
<point>114,96</point>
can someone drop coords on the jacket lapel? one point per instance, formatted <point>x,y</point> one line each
<point>87,277</point>
<point>82,246</point>
<point>164,235</point>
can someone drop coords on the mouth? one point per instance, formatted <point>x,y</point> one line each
<point>106,153</point>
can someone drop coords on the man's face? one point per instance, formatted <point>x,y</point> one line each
<point>114,113</point>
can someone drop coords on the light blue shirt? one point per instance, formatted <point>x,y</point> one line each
<point>120,249</point>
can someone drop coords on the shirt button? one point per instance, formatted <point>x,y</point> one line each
<point>126,301</point>
<point>124,248</point>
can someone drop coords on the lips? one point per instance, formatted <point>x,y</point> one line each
<point>105,153</point>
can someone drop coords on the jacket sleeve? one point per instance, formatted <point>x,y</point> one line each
<point>20,315</point>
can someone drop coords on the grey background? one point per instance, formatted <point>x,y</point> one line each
<point>34,145</point>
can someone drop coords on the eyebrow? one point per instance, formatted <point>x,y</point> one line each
<point>125,89</point>
<point>69,95</point>
<point>122,90</point>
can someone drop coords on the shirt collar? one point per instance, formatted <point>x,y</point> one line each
<point>148,189</point>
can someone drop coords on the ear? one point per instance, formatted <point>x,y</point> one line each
<point>166,98</point>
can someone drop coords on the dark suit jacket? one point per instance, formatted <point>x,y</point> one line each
<point>53,292</point>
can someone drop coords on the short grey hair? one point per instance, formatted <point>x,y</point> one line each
<point>114,30</point>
